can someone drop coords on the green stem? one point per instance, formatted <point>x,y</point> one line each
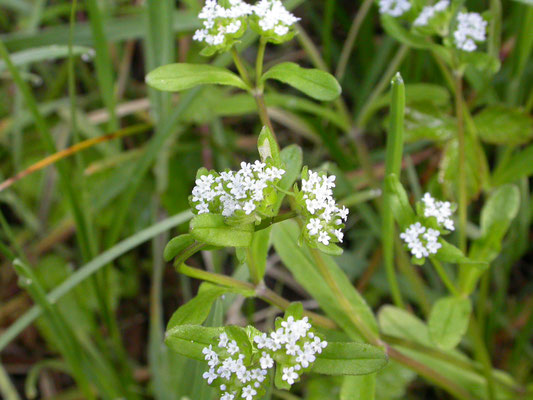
<point>212,277</point>
<point>463,200</point>
<point>444,277</point>
<point>259,61</point>
<point>483,356</point>
<point>274,220</point>
<point>240,67</point>
<point>393,166</point>
<point>349,310</point>
<point>252,266</point>
<point>352,36</point>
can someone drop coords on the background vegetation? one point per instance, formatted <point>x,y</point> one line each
<point>97,168</point>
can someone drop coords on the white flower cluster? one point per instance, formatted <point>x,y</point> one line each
<point>232,375</point>
<point>394,8</point>
<point>441,210</point>
<point>230,191</point>
<point>273,17</point>
<point>324,218</point>
<point>471,28</point>
<point>221,23</point>
<point>429,12</point>
<point>237,379</point>
<point>421,241</point>
<point>296,344</point>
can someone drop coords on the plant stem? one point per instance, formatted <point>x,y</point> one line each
<point>393,166</point>
<point>352,36</point>
<point>212,277</point>
<point>365,331</point>
<point>444,277</point>
<point>463,200</point>
<point>274,220</point>
<point>259,61</point>
<point>240,67</point>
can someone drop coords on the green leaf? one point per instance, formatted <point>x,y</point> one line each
<point>190,340</point>
<point>259,251</point>
<point>402,324</point>
<point>300,261</point>
<point>278,380</point>
<point>349,358</point>
<point>45,53</point>
<point>399,202</point>
<point>358,387</point>
<point>295,310</point>
<point>315,83</point>
<point>448,321</point>
<point>504,125</point>
<point>427,122</point>
<point>292,158</point>
<point>476,168</point>
<point>176,245</point>
<point>450,254</point>
<point>212,229</point>
<point>268,146</point>
<point>496,217</point>
<point>518,166</point>
<point>196,310</point>
<point>178,77</point>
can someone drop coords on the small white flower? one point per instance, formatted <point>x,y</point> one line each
<point>314,226</point>
<point>292,349</point>
<point>227,396</point>
<point>471,28</point>
<point>266,361</point>
<point>272,16</point>
<point>232,347</point>
<point>248,393</point>
<point>441,210</point>
<point>421,248</point>
<point>210,376</point>
<point>324,238</point>
<point>223,340</point>
<point>289,375</point>
<point>394,8</point>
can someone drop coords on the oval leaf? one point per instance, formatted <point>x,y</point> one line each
<point>211,229</point>
<point>196,310</point>
<point>349,359</point>
<point>178,77</point>
<point>176,245</point>
<point>313,82</point>
<point>504,125</point>
<point>448,321</point>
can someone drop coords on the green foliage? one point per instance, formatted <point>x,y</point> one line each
<point>313,82</point>
<point>179,77</point>
<point>449,320</point>
<point>212,229</point>
<point>502,125</point>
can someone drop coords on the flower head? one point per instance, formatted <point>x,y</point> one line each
<point>440,210</point>
<point>273,21</point>
<point>245,191</point>
<point>471,28</point>
<point>420,240</point>
<point>222,25</point>
<point>324,218</point>
<point>429,12</point>
<point>394,8</point>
